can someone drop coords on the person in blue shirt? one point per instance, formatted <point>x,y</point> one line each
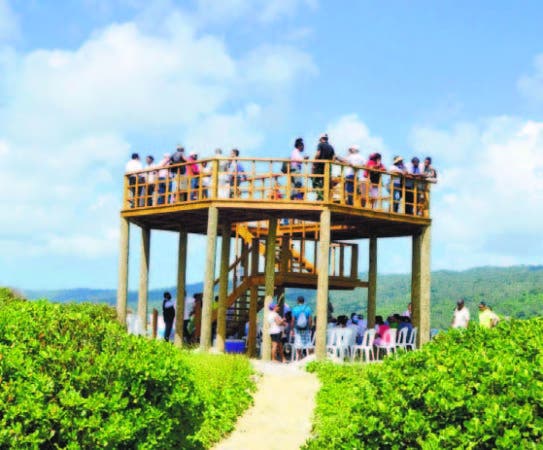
<point>301,324</point>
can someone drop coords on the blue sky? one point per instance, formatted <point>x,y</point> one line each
<point>85,83</point>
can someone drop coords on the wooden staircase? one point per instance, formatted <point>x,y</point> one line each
<point>292,269</point>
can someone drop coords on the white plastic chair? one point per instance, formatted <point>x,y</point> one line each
<point>412,342</point>
<point>366,346</point>
<point>340,348</point>
<point>401,339</point>
<point>388,342</point>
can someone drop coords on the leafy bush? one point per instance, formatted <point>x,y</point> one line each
<point>70,377</point>
<point>467,389</point>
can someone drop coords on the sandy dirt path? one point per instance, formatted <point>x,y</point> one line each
<point>281,416</point>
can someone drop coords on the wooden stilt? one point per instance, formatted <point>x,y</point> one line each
<point>181,287</point>
<point>144,278</point>
<point>253,307</point>
<point>122,290</point>
<point>223,286</point>
<point>209,278</point>
<point>372,281</point>
<point>322,285</point>
<point>269,287</point>
<point>420,284</point>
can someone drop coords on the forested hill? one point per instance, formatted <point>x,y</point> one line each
<point>511,291</point>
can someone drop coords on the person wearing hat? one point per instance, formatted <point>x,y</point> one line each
<point>302,321</point>
<point>398,170</point>
<point>193,173</point>
<point>324,152</point>
<point>276,322</point>
<point>374,178</point>
<point>355,160</point>
<point>487,317</point>
<point>461,315</point>
<point>177,174</point>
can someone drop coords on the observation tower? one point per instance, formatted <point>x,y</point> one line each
<point>287,229</point>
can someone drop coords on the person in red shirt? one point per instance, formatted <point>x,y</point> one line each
<point>374,176</point>
<point>193,171</point>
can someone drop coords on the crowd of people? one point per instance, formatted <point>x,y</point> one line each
<point>167,181</point>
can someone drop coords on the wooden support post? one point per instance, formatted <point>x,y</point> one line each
<point>322,285</point>
<point>144,278</point>
<point>223,286</point>
<point>342,261</point>
<point>420,285</point>
<point>181,287</point>
<point>122,290</point>
<point>154,323</point>
<point>253,306</point>
<point>269,276</point>
<point>209,278</point>
<point>285,254</point>
<point>354,261</point>
<point>372,281</point>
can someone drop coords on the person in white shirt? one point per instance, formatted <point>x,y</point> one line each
<point>461,315</point>
<point>150,178</point>
<point>164,185</point>
<point>135,180</point>
<point>296,159</point>
<point>276,323</point>
<point>354,158</point>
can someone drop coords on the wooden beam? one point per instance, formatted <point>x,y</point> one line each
<point>209,278</point>
<point>253,307</point>
<point>372,280</point>
<point>181,287</point>
<point>144,278</point>
<point>354,261</point>
<point>122,289</point>
<point>322,285</point>
<point>420,285</point>
<point>269,287</point>
<point>223,285</point>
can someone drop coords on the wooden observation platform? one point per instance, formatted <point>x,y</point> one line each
<point>289,228</point>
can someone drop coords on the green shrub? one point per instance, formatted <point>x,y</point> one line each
<point>71,377</point>
<point>467,389</point>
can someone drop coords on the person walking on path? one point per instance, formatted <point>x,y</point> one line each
<point>487,317</point>
<point>276,323</point>
<point>461,315</point>
<point>168,312</point>
<point>301,324</point>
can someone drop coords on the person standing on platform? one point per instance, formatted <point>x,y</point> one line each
<point>399,170</point>
<point>324,152</point>
<point>132,167</point>
<point>296,167</point>
<point>168,313</point>
<point>461,315</point>
<point>354,159</point>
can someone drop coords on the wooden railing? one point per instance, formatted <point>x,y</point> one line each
<point>278,180</point>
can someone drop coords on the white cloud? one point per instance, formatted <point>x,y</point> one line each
<point>486,207</point>
<point>9,24</point>
<point>531,86</point>
<point>67,121</point>
<point>350,130</point>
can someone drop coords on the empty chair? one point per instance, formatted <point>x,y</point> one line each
<point>387,342</point>
<point>411,343</point>
<point>401,340</point>
<point>366,346</point>
<point>340,348</point>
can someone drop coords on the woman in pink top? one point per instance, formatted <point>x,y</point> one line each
<point>374,176</point>
<point>381,327</point>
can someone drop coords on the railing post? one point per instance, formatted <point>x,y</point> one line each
<point>154,323</point>
<point>341,260</point>
<point>326,193</point>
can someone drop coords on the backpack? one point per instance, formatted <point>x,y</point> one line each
<point>301,321</point>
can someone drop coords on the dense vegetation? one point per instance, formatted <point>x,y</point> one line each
<point>473,388</point>
<point>70,377</point>
<point>512,291</point>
